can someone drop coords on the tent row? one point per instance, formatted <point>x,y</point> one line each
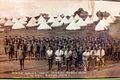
<point>74,23</point>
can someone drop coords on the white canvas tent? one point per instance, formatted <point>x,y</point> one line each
<point>76,17</point>
<point>72,26</point>
<point>101,26</point>
<point>105,21</point>
<point>56,23</point>
<point>32,22</point>
<point>41,19</point>
<point>59,18</point>
<point>110,19</point>
<point>71,19</point>
<point>2,21</point>
<point>81,22</point>
<point>51,20</point>
<point>35,20</point>
<point>18,25</point>
<point>43,26</point>
<point>9,23</point>
<point>14,20</point>
<point>88,20</point>
<point>65,21</point>
<point>22,21</point>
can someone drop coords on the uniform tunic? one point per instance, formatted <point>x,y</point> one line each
<point>100,54</point>
<point>85,60</point>
<point>50,53</point>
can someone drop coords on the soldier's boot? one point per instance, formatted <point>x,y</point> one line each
<point>99,66</point>
<point>10,58</point>
<point>70,68</point>
<point>20,67</point>
<point>49,68</point>
<point>75,69</point>
<point>67,68</point>
<point>58,66</point>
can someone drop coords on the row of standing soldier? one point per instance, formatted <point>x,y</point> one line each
<point>37,48</point>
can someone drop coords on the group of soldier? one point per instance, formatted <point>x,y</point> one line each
<point>73,53</point>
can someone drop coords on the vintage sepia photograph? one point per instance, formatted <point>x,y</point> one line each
<point>60,39</point>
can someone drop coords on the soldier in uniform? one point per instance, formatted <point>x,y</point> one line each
<point>50,57</point>
<point>44,49</point>
<point>15,50</point>
<point>5,44</point>
<point>9,51</point>
<point>24,47</point>
<point>36,50</point>
<point>118,51</point>
<point>41,50</point>
<point>92,59</point>
<point>114,53</point>
<point>21,57</point>
<point>68,58</point>
<point>75,59</point>
<point>85,59</point>
<point>58,54</point>
<point>100,54</point>
<point>29,49</point>
<point>80,52</point>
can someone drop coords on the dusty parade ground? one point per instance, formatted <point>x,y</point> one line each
<point>39,69</point>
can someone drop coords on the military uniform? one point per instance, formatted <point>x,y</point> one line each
<point>68,58</point>
<point>5,45</point>
<point>29,50</point>
<point>21,58</point>
<point>50,58</point>
<point>85,60</point>
<point>36,51</point>
<point>58,58</point>
<point>100,57</point>
<point>80,52</point>
<point>9,51</point>
<point>91,60</point>
<point>75,59</point>
<point>15,50</point>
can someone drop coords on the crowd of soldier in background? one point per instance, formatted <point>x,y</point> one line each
<point>72,52</point>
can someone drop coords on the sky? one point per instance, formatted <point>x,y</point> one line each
<point>11,8</point>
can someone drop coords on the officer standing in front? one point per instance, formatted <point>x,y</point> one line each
<point>59,54</point>
<point>50,57</point>
<point>21,57</point>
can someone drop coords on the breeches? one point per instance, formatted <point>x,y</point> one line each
<point>50,62</point>
<point>85,63</point>
<point>21,62</point>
